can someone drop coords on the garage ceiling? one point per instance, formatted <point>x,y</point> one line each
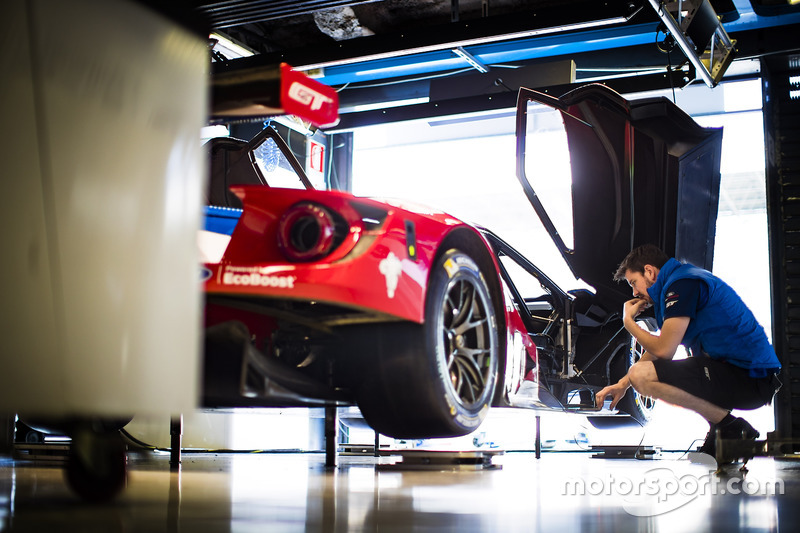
<point>376,52</point>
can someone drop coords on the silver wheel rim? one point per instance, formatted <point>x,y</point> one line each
<point>468,342</point>
<point>646,403</point>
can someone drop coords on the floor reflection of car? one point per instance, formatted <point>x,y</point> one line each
<point>318,297</point>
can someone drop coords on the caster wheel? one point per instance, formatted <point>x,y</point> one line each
<point>97,465</point>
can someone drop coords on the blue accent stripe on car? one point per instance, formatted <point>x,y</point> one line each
<point>221,219</point>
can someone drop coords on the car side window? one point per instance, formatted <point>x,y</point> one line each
<point>275,167</point>
<point>527,285</point>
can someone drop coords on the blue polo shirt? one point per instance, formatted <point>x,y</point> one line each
<point>720,325</point>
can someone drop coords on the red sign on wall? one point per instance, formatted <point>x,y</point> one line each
<point>316,156</point>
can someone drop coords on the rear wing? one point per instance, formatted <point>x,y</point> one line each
<point>261,92</point>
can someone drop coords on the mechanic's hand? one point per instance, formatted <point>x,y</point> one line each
<point>616,391</point>
<point>633,307</point>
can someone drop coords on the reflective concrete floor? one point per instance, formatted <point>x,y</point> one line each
<point>560,492</point>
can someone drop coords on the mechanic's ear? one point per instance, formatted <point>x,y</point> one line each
<point>651,273</point>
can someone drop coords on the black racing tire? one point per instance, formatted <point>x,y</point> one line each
<point>436,379</point>
<point>639,407</point>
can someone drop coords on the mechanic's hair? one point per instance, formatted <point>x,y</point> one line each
<point>647,254</point>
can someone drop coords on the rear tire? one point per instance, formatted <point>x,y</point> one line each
<point>437,379</point>
<point>639,407</point>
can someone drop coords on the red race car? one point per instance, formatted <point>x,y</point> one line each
<point>319,297</point>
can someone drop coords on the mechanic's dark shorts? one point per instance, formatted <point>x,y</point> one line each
<point>723,384</point>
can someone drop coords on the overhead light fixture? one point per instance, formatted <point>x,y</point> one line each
<point>228,47</point>
<point>384,105</point>
<point>698,31</point>
<point>471,42</point>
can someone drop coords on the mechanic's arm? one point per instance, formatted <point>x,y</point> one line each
<point>617,390</point>
<point>656,346</point>
<point>662,346</point>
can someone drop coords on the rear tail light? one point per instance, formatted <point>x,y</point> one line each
<point>307,232</point>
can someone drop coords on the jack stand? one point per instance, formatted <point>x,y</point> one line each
<point>731,450</point>
<point>728,451</point>
<point>330,436</point>
<point>175,435</point>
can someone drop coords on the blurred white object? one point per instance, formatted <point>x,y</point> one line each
<point>101,106</point>
<point>212,246</point>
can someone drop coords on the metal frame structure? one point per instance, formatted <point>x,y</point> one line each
<point>698,31</point>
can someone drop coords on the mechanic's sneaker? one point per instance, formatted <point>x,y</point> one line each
<point>738,428</point>
<point>709,445</point>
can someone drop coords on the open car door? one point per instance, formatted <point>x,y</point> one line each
<point>637,172</point>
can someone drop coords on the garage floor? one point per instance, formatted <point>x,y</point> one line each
<point>276,492</point>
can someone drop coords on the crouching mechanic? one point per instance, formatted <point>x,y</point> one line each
<point>733,365</point>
